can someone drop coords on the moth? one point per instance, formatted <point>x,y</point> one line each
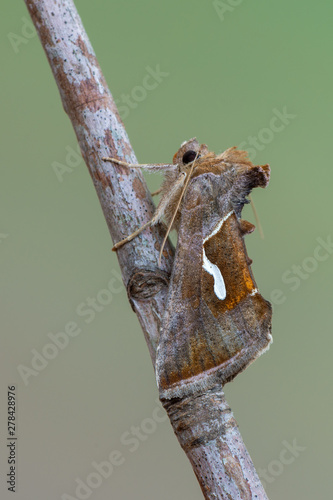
<point>216,322</point>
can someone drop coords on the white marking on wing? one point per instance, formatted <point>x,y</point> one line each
<point>219,286</point>
<point>218,226</point>
<point>212,269</point>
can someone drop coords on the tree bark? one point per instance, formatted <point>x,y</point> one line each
<point>203,423</point>
<point>209,435</point>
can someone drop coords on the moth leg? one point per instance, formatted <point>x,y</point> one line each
<point>168,196</point>
<point>131,236</point>
<point>164,201</point>
<point>153,167</point>
<point>157,216</point>
<point>158,191</point>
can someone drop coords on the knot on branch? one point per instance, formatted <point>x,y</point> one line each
<point>145,283</point>
<point>198,419</point>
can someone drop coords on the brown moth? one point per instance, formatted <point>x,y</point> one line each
<point>216,323</point>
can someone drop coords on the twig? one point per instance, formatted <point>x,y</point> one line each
<point>203,424</point>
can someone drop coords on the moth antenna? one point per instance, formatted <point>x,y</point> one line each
<point>188,177</point>
<point>256,216</point>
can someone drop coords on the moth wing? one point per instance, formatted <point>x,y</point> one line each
<point>205,338</point>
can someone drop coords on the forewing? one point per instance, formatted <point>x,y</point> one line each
<point>207,328</point>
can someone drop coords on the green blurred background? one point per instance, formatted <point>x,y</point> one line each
<point>230,67</point>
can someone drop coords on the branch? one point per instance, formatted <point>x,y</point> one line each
<point>218,455</point>
<point>123,194</point>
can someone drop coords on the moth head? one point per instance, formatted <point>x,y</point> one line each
<point>188,151</point>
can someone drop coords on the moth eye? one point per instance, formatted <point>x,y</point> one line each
<point>189,156</point>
